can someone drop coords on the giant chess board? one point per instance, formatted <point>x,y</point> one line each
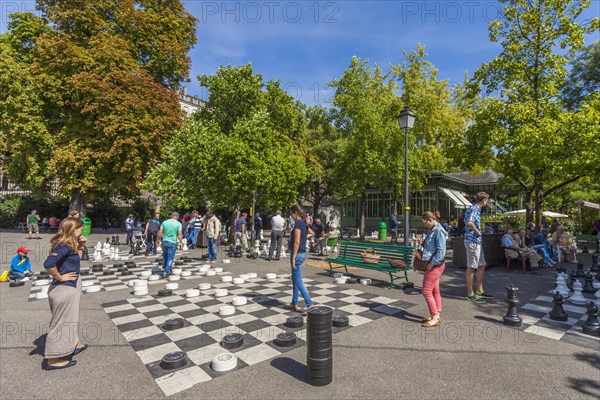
<point>117,280</point>
<point>536,320</point>
<point>141,322</point>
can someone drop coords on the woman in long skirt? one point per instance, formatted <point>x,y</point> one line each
<point>63,263</point>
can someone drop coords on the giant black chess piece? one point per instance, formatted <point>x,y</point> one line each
<point>512,318</point>
<point>588,287</point>
<point>137,248</point>
<point>591,325</point>
<point>85,256</point>
<point>595,261</point>
<point>579,273</point>
<point>113,241</point>
<point>572,279</point>
<point>117,240</point>
<point>107,240</point>
<point>558,313</point>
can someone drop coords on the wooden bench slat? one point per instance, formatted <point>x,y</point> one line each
<point>350,256</point>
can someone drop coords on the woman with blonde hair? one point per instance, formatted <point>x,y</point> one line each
<point>434,251</point>
<point>63,263</point>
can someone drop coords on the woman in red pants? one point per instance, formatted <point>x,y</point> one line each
<point>434,250</point>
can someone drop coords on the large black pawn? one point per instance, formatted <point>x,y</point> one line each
<point>512,318</point>
<point>107,240</point>
<point>595,261</point>
<point>579,273</point>
<point>591,325</point>
<point>117,237</point>
<point>85,256</point>
<point>558,313</point>
<point>572,279</point>
<point>588,286</point>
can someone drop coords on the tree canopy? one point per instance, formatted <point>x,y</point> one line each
<point>247,140</point>
<point>100,79</point>
<point>531,134</point>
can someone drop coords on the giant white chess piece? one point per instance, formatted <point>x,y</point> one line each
<point>561,286</point>
<point>577,297</point>
<point>185,246</point>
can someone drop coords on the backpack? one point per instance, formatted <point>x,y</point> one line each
<point>4,276</point>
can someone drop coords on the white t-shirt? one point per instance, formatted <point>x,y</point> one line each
<point>277,223</point>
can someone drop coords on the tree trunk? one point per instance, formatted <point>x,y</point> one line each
<point>363,206</point>
<point>317,197</point>
<point>539,199</point>
<point>77,202</point>
<point>528,211</point>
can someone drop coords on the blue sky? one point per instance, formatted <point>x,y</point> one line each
<point>306,44</point>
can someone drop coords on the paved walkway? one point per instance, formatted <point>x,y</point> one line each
<point>471,356</point>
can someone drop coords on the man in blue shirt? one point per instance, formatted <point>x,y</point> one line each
<point>541,240</point>
<point>394,226</point>
<point>240,231</point>
<point>20,266</point>
<point>473,245</point>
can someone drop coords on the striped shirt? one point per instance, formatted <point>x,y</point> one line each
<point>473,214</point>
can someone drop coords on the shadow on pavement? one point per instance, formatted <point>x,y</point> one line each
<point>291,367</point>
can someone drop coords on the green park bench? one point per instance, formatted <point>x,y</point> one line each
<point>350,256</point>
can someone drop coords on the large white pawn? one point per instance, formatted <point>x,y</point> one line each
<point>185,246</point>
<point>561,287</point>
<point>577,297</point>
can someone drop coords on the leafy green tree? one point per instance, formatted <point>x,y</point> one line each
<point>101,76</point>
<point>441,117</point>
<point>324,143</point>
<point>536,142</point>
<point>248,140</point>
<point>366,116</point>
<point>584,79</point>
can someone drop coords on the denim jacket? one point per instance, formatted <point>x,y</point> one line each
<point>434,245</point>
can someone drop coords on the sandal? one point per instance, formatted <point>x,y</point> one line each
<point>430,324</point>
<point>291,307</point>
<point>427,319</point>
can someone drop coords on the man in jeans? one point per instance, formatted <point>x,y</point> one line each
<point>213,229</point>
<point>151,233</point>
<point>473,245</point>
<point>277,227</point>
<point>393,222</point>
<point>240,231</point>
<point>170,233</point>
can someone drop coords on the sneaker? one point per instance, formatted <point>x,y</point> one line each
<point>291,307</point>
<point>475,299</point>
<point>484,295</point>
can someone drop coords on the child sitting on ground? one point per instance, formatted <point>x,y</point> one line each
<point>20,267</point>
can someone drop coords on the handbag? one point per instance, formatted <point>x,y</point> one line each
<point>370,256</point>
<point>397,264</point>
<point>418,262</point>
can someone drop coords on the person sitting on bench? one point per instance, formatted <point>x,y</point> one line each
<point>513,249</point>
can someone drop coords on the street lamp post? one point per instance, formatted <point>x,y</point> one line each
<point>406,119</point>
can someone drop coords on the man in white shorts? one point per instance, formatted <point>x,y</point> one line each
<point>473,246</point>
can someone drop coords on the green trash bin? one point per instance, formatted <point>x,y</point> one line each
<point>87,227</point>
<point>382,231</point>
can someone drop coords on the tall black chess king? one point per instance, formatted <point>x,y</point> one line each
<point>512,318</point>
